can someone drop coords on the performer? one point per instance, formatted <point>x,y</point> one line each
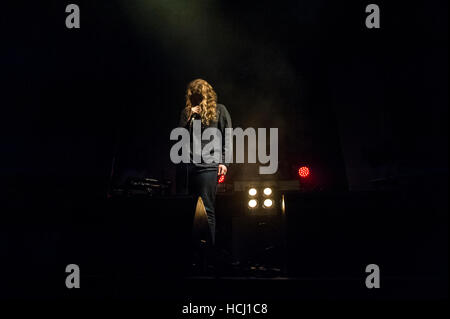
<point>201,104</point>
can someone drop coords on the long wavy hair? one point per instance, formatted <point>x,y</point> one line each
<point>197,90</point>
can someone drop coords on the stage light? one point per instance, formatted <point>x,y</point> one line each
<point>252,191</point>
<point>268,203</point>
<point>267,191</point>
<point>221,179</point>
<point>303,171</point>
<point>252,203</point>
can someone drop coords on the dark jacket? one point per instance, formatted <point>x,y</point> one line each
<point>223,121</point>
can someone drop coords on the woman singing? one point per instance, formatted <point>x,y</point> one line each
<point>201,105</point>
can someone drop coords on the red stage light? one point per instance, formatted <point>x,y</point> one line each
<point>303,171</point>
<point>221,179</point>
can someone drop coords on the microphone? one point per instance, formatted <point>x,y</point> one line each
<point>194,116</point>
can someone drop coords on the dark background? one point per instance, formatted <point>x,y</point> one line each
<point>364,108</point>
<point>354,104</point>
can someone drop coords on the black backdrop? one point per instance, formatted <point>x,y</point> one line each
<point>355,104</point>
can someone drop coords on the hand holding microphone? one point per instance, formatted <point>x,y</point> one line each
<point>195,113</point>
<point>196,110</point>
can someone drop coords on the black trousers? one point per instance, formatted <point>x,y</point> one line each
<point>203,182</point>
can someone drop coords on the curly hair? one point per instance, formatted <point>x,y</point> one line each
<point>208,96</point>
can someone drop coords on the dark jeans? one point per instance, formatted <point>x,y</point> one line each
<point>203,183</point>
